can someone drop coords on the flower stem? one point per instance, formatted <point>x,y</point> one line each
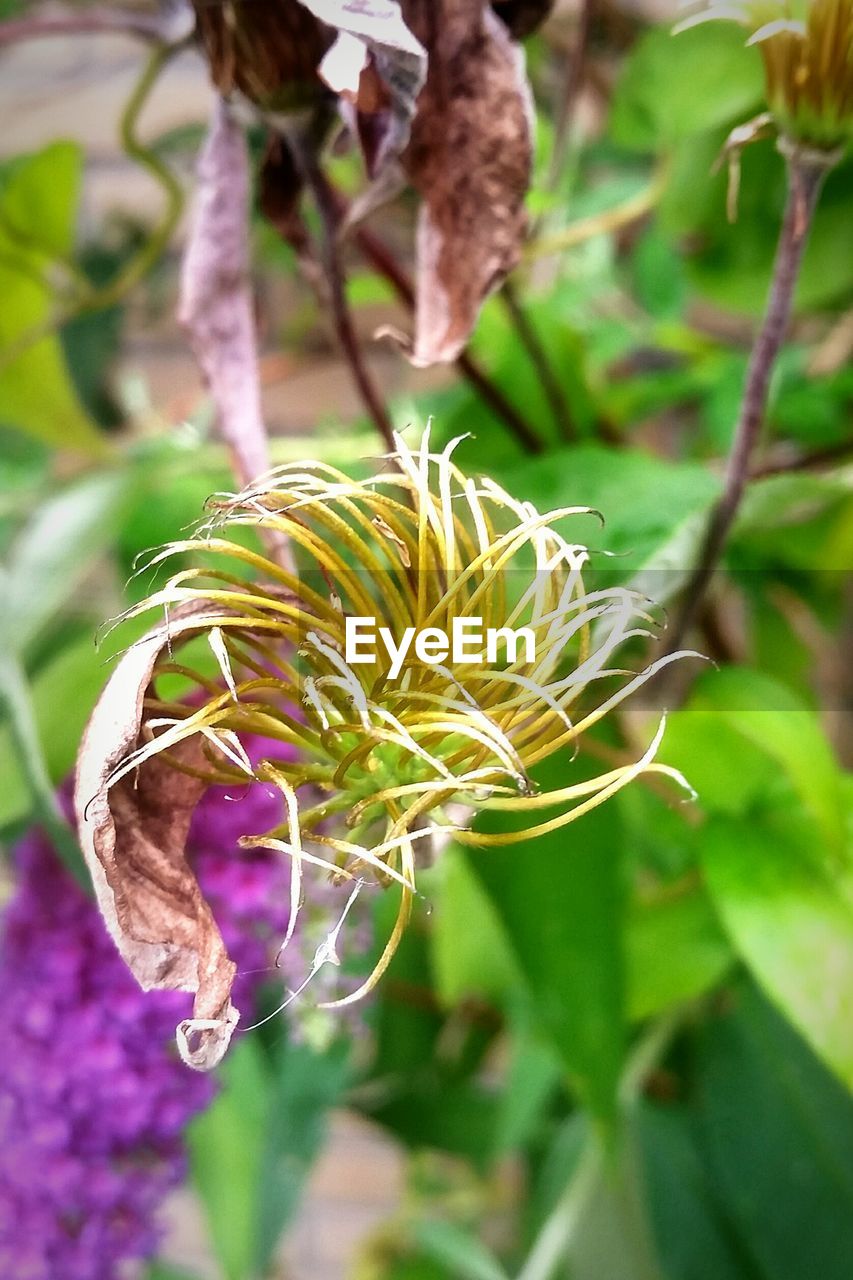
<point>806,172</point>
<point>538,357</point>
<point>572,87</point>
<point>305,151</point>
<point>383,261</point>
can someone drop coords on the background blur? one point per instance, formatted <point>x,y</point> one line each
<point>670,983</point>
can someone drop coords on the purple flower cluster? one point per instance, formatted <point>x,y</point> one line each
<point>93,1097</point>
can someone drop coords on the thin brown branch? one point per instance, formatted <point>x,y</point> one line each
<point>572,84</point>
<point>329,209</point>
<point>812,461</point>
<point>102,22</point>
<point>806,171</point>
<point>491,394</point>
<point>538,356</point>
<point>383,261</point>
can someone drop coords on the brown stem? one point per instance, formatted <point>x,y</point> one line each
<point>538,356</point>
<point>804,461</point>
<point>806,172</point>
<point>491,394</point>
<point>89,22</point>
<point>329,209</point>
<point>572,84</point>
<point>382,260</point>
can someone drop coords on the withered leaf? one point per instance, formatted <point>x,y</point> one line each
<point>270,51</point>
<point>378,66</point>
<point>469,158</point>
<point>133,835</point>
<point>216,298</point>
<point>280,54</point>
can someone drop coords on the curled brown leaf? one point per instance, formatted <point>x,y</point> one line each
<point>377,66</point>
<point>216,306</point>
<point>469,158</point>
<point>133,828</point>
<point>286,56</point>
<point>269,51</point>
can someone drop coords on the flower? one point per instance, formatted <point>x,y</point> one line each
<point>807,47</point>
<point>94,1099</point>
<point>414,546</point>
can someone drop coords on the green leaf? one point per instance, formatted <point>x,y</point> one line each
<point>63,693</point>
<point>533,1076</point>
<point>166,1271</point>
<point>785,500</point>
<point>675,86</point>
<point>252,1150</point>
<point>676,951</point>
<point>16,704</point>
<point>38,202</point>
<point>642,499</point>
<point>614,1236</point>
<point>658,276</point>
<point>462,1253</point>
<point>56,550</point>
<point>36,392</point>
<point>306,1085</point>
<point>23,473</point>
<point>777,724</point>
<point>594,1212</point>
<point>560,898</point>
<point>497,344</point>
<point>693,1237</point>
<point>728,773</point>
<point>669,566</point>
<point>777,1145</point>
<point>368,288</point>
<point>226,1145</point>
<point>441,1114</point>
<point>789,912</point>
<point>470,953</point>
<point>731,262</point>
<point>406,1030</point>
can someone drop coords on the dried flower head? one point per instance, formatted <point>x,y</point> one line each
<point>807,47</point>
<point>374,751</point>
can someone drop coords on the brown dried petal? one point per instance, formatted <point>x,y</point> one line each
<point>280,53</point>
<point>216,305</point>
<point>374,48</point>
<point>469,158</point>
<point>133,834</point>
<point>270,50</point>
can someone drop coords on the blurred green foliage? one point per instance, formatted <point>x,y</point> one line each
<point>648,1015</point>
